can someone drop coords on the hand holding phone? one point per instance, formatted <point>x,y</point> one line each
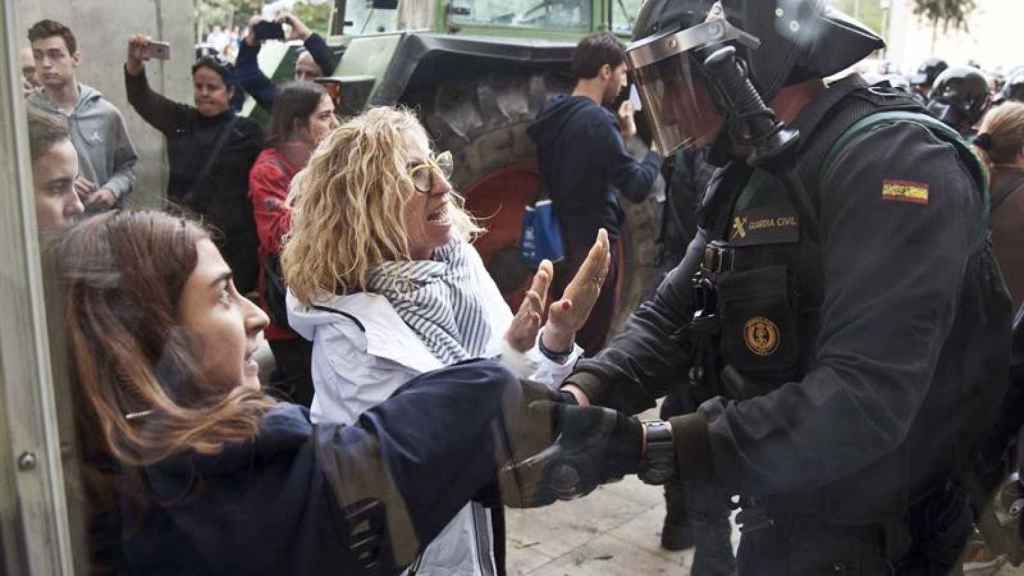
<point>137,54</point>
<point>298,30</point>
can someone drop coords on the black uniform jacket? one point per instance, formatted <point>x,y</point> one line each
<point>862,341</point>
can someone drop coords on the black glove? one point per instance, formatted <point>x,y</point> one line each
<point>535,391</point>
<point>524,432</point>
<point>593,446</point>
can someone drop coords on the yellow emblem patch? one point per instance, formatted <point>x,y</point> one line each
<point>761,336</point>
<point>739,228</point>
<point>905,191</point>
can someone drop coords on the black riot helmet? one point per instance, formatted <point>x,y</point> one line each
<point>928,72</point>
<point>1013,89</point>
<point>780,42</point>
<point>959,97</point>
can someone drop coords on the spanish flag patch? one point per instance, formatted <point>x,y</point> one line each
<point>905,191</point>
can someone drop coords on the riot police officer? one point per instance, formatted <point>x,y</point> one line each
<point>960,98</point>
<point>923,80</point>
<point>840,306</point>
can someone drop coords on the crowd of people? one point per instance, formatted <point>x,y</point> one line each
<point>409,403</point>
<point>359,221</point>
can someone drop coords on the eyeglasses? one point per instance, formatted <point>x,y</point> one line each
<point>423,174</point>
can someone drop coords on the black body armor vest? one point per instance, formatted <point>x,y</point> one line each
<point>759,289</point>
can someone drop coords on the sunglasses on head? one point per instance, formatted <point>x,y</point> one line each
<point>423,174</point>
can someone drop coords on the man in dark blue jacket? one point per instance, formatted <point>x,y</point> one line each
<point>583,160</point>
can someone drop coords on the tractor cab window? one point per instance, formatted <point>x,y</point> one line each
<point>624,13</point>
<point>545,14</point>
<point>364,18</point>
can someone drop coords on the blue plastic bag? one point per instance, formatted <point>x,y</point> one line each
<point>541,237</point>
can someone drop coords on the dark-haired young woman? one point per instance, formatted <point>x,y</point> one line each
<point>303,116</point>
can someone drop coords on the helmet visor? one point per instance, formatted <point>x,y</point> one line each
<point>672,84</point>
<point>679,106</point>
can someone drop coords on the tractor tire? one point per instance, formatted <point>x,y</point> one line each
<point>483,124</point>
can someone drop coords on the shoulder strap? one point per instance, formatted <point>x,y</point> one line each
<point>936,127</point>
<point>845,103</point>
<point>978,169</point>
<point>345,314</point>
<point>197,184</point>
<point>851,106</point>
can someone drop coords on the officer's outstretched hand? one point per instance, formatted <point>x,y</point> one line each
<point>592,446</point>
<point>568,315</point>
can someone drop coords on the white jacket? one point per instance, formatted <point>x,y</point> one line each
<point>362,356</point>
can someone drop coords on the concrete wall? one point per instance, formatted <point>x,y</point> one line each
<point>102,28</point>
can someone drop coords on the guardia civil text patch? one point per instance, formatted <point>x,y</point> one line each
<point>905,191</point>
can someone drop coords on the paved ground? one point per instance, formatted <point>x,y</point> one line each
<point>614,531</point>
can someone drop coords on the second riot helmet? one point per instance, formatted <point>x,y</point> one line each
<point>928,72</point>
<point>1013,89</point>
<point>959,97</point>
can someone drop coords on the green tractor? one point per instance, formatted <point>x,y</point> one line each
<point>478,72</point>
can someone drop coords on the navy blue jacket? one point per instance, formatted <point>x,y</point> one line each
<point>249,76</point>
<point>299,498</point>
<point>583,160</point>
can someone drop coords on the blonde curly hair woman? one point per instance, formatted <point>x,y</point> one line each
<point>384,281</point>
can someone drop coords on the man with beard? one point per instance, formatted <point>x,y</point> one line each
<point>583,160</point>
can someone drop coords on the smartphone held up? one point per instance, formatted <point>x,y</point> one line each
<point>266,30</point>
<point>152,49</point>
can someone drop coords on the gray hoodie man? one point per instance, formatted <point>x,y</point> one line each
<point>106,155</point>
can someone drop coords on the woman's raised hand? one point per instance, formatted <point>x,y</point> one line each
<point>522,333</point>
<point>137,54</point>
<point>569,314</point>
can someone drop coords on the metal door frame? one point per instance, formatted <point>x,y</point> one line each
<point>34,526</point>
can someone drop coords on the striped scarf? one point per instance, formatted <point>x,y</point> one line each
<point>438,300</point>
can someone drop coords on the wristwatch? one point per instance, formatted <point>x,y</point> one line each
<point>658,464</point>
<point>556,357</point>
